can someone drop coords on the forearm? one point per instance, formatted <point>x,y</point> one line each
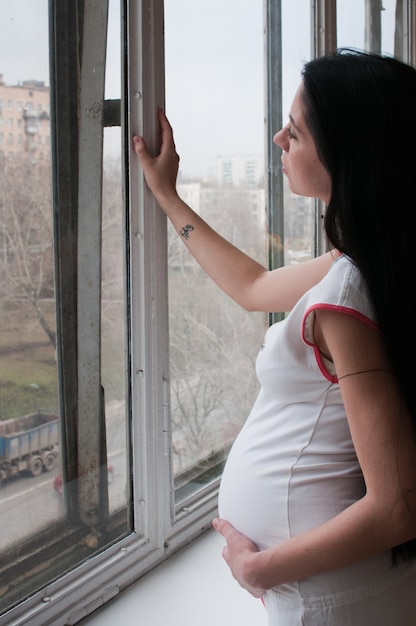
<point>356,534</point>
<point>230,268</point>
<point>244,279</point>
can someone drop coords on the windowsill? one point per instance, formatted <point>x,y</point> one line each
<point>194,586</point>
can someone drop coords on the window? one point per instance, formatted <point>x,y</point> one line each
<point>353,26</point>
<point>298,228</point>
<point>208,360</point>
<point>108,343</point>
<point>118,356</point>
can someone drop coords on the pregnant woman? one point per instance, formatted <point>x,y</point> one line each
<point>317,502</point>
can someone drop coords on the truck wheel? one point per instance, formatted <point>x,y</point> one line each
<point>49,462</point>
<point>36,466</point>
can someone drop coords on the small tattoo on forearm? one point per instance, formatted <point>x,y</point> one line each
<point>186,230</point>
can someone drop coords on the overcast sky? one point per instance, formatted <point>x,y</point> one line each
<point>214,64</point>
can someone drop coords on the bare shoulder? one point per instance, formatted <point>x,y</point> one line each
<point>280,289</point>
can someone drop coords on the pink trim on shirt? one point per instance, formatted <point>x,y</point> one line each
<point>339,309</point>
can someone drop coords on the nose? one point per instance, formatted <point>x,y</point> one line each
<point>281,140</point>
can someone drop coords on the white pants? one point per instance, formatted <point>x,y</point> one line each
<point>389,600</point>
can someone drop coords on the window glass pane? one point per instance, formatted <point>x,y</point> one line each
<point>113,334</point>
<point>30,426</point>
<point>114,355</point>
<point>214,99</point>
<point>37,502</point>
<point>350,23</point>
<point>352,16</point>
<point>298,211</point>
<point>30,456</point>
<point>111,351</point>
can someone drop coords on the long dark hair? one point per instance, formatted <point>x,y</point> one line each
<point>361,111</point>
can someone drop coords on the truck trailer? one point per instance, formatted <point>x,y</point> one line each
<point>28,445</point>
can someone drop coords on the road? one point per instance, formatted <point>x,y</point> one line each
<point>27,505</point>
<point>30,504</point>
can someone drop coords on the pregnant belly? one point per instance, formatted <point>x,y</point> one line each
<point>253,498</point>
<point>270,497</point>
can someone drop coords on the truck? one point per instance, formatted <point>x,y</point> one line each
<point>28,445</point>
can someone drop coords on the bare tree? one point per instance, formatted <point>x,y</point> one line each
<point>213,345</point>
<point>113,291</point>
<point>26,239</point>
<point>213,380</point>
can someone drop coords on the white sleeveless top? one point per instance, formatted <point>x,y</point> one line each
<point>293,465</point>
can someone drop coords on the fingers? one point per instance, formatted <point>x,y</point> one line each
<point>233,554</point>
<point>167,131</point>
<point>163,120</point>
<point>224,528</point>
<point>140,148</point>
<point>139,143</point>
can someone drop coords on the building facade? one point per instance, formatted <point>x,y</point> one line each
<point>238,170</point>
<point>25,120</point>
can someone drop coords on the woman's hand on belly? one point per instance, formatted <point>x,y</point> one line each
<point>239,554</point>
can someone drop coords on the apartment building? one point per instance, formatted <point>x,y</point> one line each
<point>240,170</point>
<point>25,120</point>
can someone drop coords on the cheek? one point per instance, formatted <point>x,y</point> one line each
<point>319,184</point>
<point>308,178</point>
<point>323,183</point>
